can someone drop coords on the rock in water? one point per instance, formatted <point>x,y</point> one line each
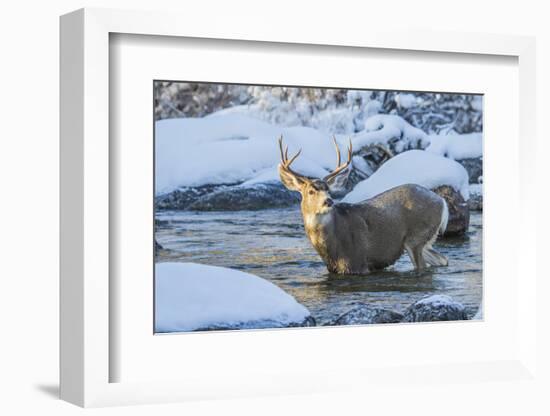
<point>309,321</point>
<point>475,203</point>
<point>474,167</point>
<point>229,197</point>
<point>157,246</point>
<point>476,197</point>
<point>180,199</point>
<point>253,197</point>
<point>435,308</point>
<point>459,211</point>
<point>365,314</point>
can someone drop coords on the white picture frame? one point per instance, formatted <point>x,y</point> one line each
<point>86,356</point>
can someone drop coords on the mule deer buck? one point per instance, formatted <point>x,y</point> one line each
<point>371,235</point>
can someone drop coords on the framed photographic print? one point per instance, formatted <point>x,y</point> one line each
<point>238,211</point>
<point>320,236</point>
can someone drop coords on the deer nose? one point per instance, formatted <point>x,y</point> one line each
<point>329,202</point>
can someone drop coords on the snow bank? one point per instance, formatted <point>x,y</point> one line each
<point>193,296</point>
<point>457,146</point>
<point>229,148</point>
<point>415,166</point>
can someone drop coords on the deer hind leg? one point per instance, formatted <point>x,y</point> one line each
<point>433,257</point>
<point>416,256</point>
<point>421,252</point>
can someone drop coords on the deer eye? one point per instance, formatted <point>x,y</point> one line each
<point>311,192</point>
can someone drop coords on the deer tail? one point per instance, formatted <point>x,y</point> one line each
<point>444,217</point>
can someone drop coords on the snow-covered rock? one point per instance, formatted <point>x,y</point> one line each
<point>467,149</point>
<point>365,314</point>
<point>435,308</point>
<point>456,146</point>
<point>393,132</point>
<point>190,297</point>
<point>414,166</point>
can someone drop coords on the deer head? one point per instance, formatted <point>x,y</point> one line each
<point>315,192</point>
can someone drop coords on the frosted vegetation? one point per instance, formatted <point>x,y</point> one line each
<point>330,110</point>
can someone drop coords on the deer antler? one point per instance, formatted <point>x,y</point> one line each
<point>339,168</point>
<point>285,163</point>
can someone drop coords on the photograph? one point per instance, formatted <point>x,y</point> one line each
<point>284,206</point>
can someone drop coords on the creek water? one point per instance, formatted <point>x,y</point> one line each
<point>272,244</point>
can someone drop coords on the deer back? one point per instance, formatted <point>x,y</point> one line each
<point>371,235</point>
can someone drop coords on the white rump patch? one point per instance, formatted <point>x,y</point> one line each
<point>444,217</point>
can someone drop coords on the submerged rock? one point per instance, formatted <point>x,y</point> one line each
<point>365,314</point>
<point>253,197</point>
<point>476,197</point>
<point>435,308</point>
<point>475,203</point>
<point>459,211</point>
<point>309,321</point>
<point>157,246</point>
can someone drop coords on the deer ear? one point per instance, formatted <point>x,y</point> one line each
<point>337,184</point>
<point>291,182</point>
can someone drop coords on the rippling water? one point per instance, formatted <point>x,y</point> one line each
<point>272,244</point>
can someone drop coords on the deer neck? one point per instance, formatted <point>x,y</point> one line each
<point>315,221</point>
<point>317,226</point>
